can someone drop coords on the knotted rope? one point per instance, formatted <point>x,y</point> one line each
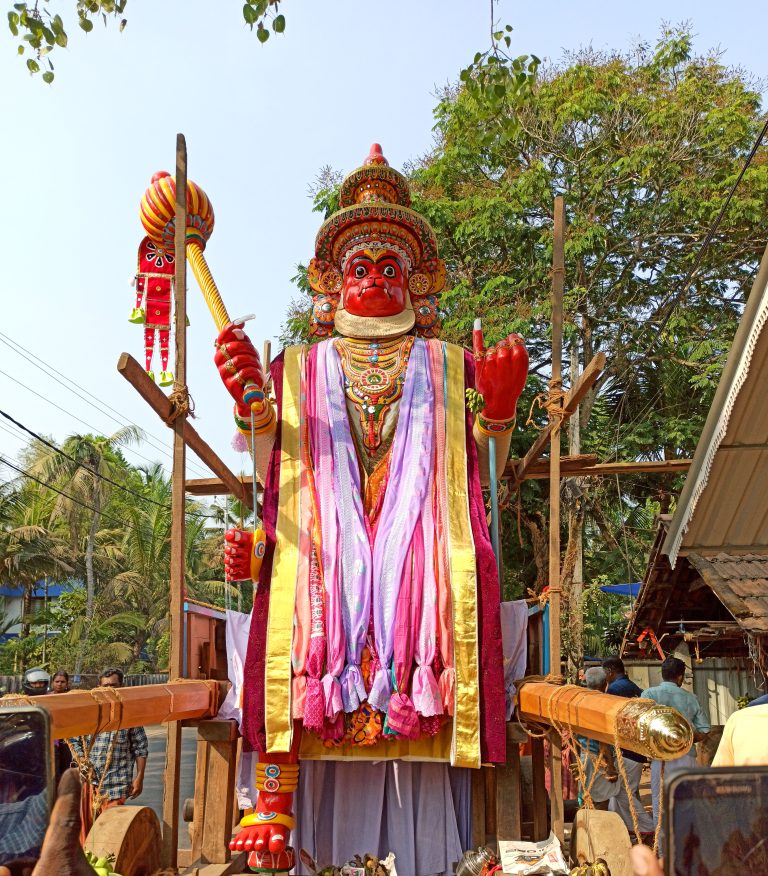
<point>551,402</point>
<point>181,402</point>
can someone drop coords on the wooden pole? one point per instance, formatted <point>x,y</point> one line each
<point>556,402</point>
<point>178,541</point>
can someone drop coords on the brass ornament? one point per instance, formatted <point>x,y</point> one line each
<point>419,284</point>
<point>660,730</point>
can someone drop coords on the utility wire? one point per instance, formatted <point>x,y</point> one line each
<point>51,372</point>
<point>74,416</point>
<point>80,464</point>
<point>21,471</point>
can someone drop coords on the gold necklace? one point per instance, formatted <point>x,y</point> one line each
<point>374,372</point>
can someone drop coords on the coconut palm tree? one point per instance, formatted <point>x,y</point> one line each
<point>86,471</point>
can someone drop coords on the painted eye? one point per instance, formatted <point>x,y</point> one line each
<point>389,271</point>
<point>424,310</point>
<point>360,272</point>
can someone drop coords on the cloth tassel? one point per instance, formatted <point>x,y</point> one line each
<point>239,443</point>
<point>447,685</point>
<point>427,698</point>
<point>332,694</point>
<point>334,730</point>
<point>314,705</point>
<point>402,717</point>
<point>352,687</point>
<point>299,696</point>
<point>381,691</point>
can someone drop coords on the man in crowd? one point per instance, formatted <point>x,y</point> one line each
<point>120,752</point>
<point>597,757</point>
<point>745,739</point>
<point>35,682</point>
<point>670,693</point>
<point>623,803</point>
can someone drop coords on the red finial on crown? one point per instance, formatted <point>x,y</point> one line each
<point>375,156</point>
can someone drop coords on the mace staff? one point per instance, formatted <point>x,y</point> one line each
<point>158,216</point>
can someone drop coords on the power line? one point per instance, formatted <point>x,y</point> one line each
<point>21,471</point>
<point>50,371</point>
<point>80,464</point>
<point>93,428</point>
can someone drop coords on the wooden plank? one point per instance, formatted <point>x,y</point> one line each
<point>133,372</point>
<point>201,779</point>
<point>585,382</point>
<point>80,713</point>
<point>558,284</point>
<point>478,808</point>
<point>508,791</point>
<point>574,467</point>
<point>178,515</point>
<point>218,730</point>
<point>540,828</point>
<point>220,788</point>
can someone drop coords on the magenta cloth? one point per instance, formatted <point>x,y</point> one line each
<point>492,724</point>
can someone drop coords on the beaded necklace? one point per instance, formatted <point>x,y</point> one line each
<point>374,372</point>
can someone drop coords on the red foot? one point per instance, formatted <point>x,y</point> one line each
<point>261,838</point>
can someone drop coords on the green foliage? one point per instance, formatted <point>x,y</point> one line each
<point>644,145</point>
<point>122,537</point>
<point>41,29</point>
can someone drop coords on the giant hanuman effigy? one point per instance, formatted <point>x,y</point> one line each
<point>375,629</point>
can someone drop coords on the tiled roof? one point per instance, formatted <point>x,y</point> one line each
<point>740,583</point>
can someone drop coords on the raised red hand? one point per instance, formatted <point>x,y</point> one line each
<point>238,364</point>
<point>500,374</point>
<point>238,548</point>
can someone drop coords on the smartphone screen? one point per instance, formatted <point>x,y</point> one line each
<point>717,821</point>
<point>25,781</point>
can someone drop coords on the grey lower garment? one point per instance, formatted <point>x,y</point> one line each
<point>621,802</point>
<point>419,811</point>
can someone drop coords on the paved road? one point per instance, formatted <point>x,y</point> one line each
<point>152,794</point>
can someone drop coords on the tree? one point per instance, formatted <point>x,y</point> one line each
<point>645,145</point>
<point>87,471</point>
<point>42,29</point>
<point>31,546</point>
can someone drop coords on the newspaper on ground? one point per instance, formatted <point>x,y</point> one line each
<point>520,858</point>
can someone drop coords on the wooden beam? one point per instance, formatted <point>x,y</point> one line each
<point>555,422</point>
<point>83,712</point>
<point>172,773</point>
<point>130,369</point>
<point>587,380</point>
<point>586,465</point>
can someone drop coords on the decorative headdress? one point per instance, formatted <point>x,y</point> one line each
<point>375,212</point>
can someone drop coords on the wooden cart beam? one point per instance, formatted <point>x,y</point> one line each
<point>638,724</point>
<point>132,371</point>
<point>81,713</point>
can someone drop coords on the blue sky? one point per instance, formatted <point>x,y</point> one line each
<point>260,121</point>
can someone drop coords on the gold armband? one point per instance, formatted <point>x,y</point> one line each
<point>268,818</point>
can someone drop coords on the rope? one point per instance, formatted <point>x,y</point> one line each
<point>625,778</point>
<point>182,404</point>
<point>552,403</point>
<point>657,832</point>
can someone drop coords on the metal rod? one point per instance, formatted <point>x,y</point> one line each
<point>494,503</point>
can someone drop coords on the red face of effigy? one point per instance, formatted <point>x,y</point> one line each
<point>375,283</point>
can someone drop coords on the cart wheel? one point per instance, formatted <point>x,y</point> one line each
<point>132,835</point>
